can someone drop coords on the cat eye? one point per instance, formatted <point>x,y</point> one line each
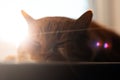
<point>62,42</point>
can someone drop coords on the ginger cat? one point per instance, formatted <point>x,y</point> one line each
<point>65,39</point>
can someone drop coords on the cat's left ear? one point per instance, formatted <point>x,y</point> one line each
<point>85,20</point>
<point>28,18</point>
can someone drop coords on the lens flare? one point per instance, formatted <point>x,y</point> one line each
<point>106,45</point>
<point>13,27</point>
<point>98,44</point>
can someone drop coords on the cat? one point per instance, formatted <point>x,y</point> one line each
<point>55,39</point>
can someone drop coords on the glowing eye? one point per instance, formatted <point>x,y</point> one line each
<point>98,44</point>
<point>106,45</point>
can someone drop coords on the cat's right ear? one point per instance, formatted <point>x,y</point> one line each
<point>27,17</point>
<point>85,20</point>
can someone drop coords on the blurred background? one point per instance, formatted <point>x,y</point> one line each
<point>13,27</point>
<point>107,12</point>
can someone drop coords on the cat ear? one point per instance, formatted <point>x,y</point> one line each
<point>85,20</point>
<point>27,17</point>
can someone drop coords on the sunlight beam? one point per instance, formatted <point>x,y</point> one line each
<point>13,27</point>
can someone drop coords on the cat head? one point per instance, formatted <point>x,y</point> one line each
<point>60,37</point>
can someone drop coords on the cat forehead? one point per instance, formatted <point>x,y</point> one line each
<point>56,19</point>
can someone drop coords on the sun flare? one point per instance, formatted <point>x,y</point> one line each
<point>13,27</point>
